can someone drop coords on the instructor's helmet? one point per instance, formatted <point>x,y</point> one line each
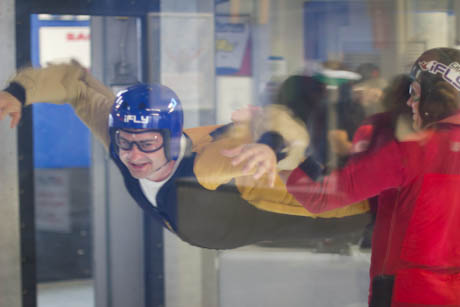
<point>438,72</point>
<point>153,107</point>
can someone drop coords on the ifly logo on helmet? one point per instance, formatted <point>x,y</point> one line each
<point>450,73</point>
<point>136,120</point>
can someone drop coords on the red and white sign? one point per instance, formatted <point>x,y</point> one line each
<point>58,44</point>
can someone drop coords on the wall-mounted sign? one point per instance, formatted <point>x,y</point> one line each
<point>233,46</point>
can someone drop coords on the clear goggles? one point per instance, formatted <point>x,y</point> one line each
<point>413,93</point>
<point>147,145</point>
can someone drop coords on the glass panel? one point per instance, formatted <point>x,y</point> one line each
<point>63,213</point>
<point>329,88</point>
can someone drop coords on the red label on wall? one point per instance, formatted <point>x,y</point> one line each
<point>77,36</point>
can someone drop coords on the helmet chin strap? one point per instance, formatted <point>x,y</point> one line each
<point>161,166</point>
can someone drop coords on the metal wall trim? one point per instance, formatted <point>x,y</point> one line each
<point>10,273</point>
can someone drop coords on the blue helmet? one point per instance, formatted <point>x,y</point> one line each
<point>152,107</point>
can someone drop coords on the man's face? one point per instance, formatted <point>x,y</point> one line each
<point>143,165</point>
<point>414,103</point>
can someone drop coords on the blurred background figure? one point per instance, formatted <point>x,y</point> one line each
<point>306,96</point>
<point>323,101</point>
<point>369,89</point>
<point>358,100</point>
<point>371,72</point>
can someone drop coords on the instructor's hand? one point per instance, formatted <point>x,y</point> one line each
<point>258,158</point>
<point>9,105</point>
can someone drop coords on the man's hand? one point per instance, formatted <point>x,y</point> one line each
<point>257,157</point>
<point>9,105</point>
<point>246,114</point>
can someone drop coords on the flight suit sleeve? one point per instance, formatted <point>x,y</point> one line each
<point>70,83</point>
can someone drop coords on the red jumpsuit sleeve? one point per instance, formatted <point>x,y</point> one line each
<point>360,179</point>
<point>364,133</point>
<point>362,139</point>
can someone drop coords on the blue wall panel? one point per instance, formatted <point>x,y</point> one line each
<point>61,140</point>
<point>336,27</point>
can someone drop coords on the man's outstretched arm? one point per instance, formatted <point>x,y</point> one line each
<point>59,84</point>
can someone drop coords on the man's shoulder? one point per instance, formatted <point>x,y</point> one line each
<point>185,167</point>
<point>202,136</point>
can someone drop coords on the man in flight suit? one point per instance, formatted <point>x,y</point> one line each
<point>179,176</point>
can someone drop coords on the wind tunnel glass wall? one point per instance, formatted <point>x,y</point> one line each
<point>317,75</point>
<point>62,152</point>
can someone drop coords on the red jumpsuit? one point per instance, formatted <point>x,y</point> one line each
<point>417,233</point>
